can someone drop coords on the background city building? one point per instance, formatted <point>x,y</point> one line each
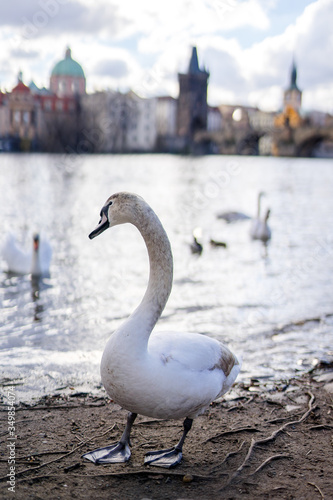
<point>64,118</point>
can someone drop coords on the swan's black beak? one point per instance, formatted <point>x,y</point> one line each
<point>102,225</point>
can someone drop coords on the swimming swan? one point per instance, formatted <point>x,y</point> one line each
<point>260,229</point>
<point>35,262</point>
<point>165,375</point>
<point>263,231</point>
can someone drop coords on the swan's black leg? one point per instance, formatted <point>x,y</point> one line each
<point>115,453</point>
<point>171,457</point>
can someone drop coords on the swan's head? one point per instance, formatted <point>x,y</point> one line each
<point>36,242</point>
<point>118,209</point>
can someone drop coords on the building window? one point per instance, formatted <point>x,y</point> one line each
<point>26,117</point>
<point>17,117</point>
<point>62,86</point>
<point>75,87</point>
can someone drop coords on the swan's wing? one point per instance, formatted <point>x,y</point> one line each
<point>192,350</point>
<point>18,261</point>
<point>45,254</point>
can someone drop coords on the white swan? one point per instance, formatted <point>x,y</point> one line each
<point>263,231</point>
<point>260,229</point>
<point>160,375</point>
<point>35,262</point>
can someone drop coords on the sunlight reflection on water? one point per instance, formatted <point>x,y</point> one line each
<point>53,337</point>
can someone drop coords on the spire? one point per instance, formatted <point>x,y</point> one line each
<point>293,76</point>
<point>68,53</point>
<point>193,68</point>
<point>194,64</point>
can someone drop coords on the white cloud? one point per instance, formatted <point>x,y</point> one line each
<point>257,72</point>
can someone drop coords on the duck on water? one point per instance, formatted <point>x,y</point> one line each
<point>166,375</point>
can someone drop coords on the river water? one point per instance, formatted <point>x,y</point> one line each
<point>273,305</point>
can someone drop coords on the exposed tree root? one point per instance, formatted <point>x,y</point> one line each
<point>141,472</point>
<point>269,460</point>
<point>266,440</point>
<point>230,454</point>
<point>232,431</point>
<point>32,469</point>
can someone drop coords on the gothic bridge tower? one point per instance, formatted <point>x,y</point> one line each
<point>192,100</point>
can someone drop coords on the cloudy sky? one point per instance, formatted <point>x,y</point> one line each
<point>247,45</point>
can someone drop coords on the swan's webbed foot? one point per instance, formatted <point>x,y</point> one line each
<point>113,454</point>
<point>164,458</point>
<point>172,457</point>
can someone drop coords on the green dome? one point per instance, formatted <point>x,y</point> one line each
<point>68,67</point>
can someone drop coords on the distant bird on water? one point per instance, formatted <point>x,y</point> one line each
<point>260,229</point>
<point>196,247</point>
<point>215,243</point>
<point>231,217</point>
<point>35,261</point>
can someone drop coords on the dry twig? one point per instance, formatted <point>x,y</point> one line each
<point>317,488</point>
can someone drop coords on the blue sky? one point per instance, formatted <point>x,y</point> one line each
<point>247,45</point>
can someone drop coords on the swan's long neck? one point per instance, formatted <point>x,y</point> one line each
<point>160,276</point>
<point>259,202</point>
<point>35,263</point>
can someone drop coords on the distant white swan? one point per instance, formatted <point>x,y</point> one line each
<point>35,261</point>
<point>263,231</point>
<point>165,375</point>
<point>260,229</point>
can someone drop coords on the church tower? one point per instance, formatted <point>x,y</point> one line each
<point>292,95</point>
<point>192,101</point>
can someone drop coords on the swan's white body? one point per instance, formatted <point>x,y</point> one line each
<point>163,375</point>
<point>262,230</point>
<point>35,262</point>
<point>175,376</point>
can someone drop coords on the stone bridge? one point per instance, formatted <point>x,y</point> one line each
<point>299,142</point>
